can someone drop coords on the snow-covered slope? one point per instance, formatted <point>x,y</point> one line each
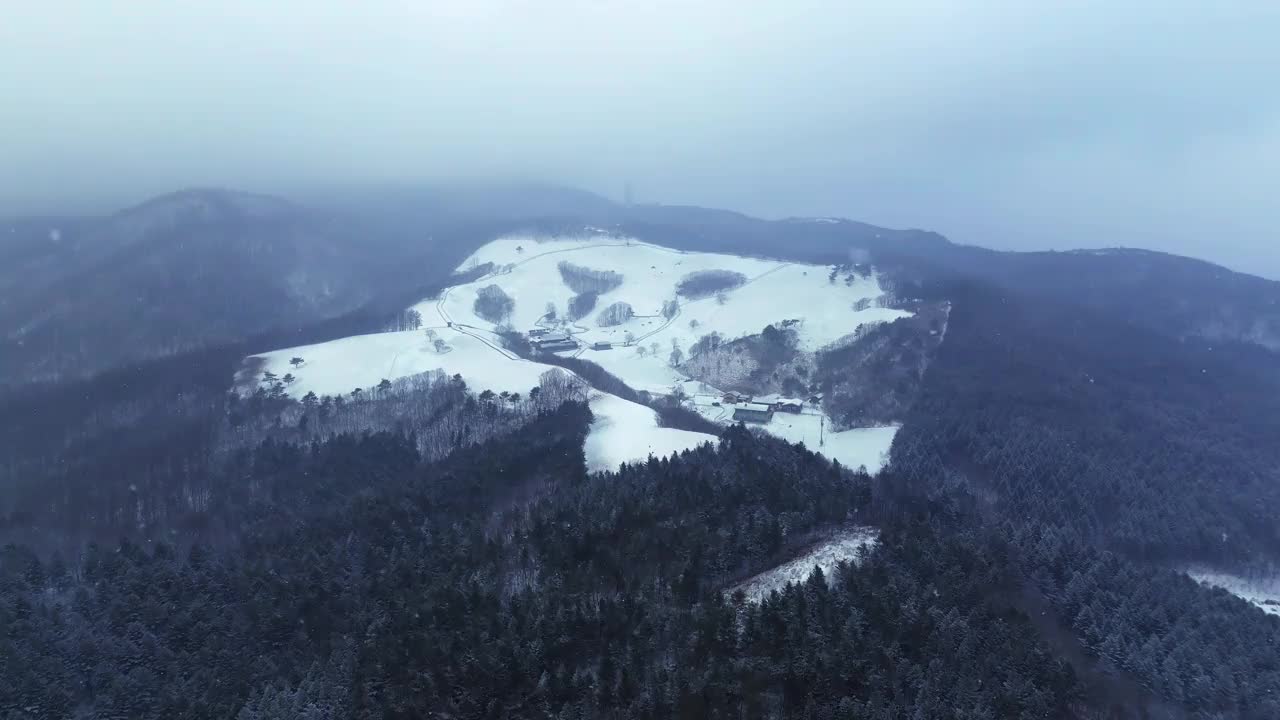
<point>624,431</point>
<point>1264,593</point>
<point>774,292</point>
<point>820,308</point>
<point>845,547</point>
<point>362,361</point>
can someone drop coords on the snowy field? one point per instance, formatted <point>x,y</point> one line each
<point>362,361</point>
<point>1256,591</point>
<point>853,448</point>
<point>624,431</point>
<point>846,547</point>
<point>527,271</point>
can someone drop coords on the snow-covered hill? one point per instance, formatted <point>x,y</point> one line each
<point>634,308</point>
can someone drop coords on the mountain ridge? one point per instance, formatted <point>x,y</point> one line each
<point>333,256</point>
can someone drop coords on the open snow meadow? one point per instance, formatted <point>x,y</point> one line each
<point>631,307</point>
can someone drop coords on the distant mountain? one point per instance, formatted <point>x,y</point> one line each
<point>1175,296</point>
<point>176,272</point>
<point>78,295</point>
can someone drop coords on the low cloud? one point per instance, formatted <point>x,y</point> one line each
<point>1003,123</point>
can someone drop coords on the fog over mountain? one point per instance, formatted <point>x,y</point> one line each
<point>1006,124</point>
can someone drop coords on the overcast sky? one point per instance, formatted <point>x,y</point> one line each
<point>1000,123</point>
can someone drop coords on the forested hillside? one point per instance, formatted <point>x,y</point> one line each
<point>207,267</point>
<point>503,582</point>
<point>1113,457</point>
<point>1138,442</point>
<point>1075,435</point>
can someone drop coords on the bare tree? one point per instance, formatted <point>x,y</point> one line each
<point>616,314</point>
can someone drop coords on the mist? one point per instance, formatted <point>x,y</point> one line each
<point>1006,124</point>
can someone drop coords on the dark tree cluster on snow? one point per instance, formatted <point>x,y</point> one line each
<point>583,280</point>
<point>493,304</point>
<point>705,283</point>
<point>615,314</point>
<point>409,319</point>
<point>582,304</point>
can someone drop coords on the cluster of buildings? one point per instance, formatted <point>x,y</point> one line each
<point>746,408</point>
<point>555,341</point>
<point>760,409</point>
<point>548,341</point>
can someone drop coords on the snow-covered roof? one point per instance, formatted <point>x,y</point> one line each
<point>776,399</point>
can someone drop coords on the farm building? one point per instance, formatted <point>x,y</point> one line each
<point>788,405</point>
<point>753,412</point>
<point>734,398</point>
<point>557,346</point>
<point>553,342</point>
<point>547,338</point>
<point>601,345</point>
<point>778,403</point>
